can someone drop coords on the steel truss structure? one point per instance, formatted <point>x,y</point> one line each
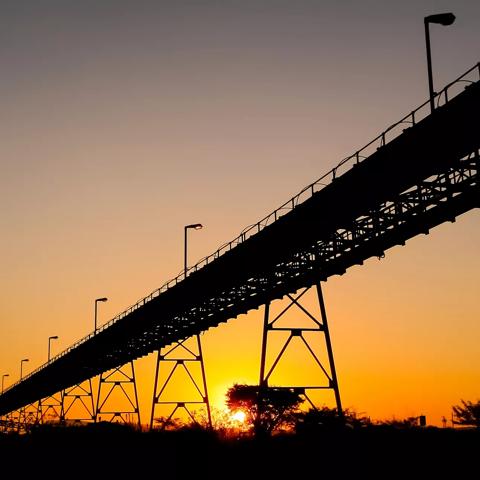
<point>389,192</point>
<point>327,378</point>
<point>50,409</point>
<point>4,423</point>
<point>120,382</point>
<point>78,397</point>
<point>25,418</point>
<point>182,357</point>
<point>9,422</point>
<point>430,202</point>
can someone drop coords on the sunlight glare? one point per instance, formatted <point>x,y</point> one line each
<point>239,416</point>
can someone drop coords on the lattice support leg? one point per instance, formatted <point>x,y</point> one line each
<point>117,399</point>
<point>50,409</point>
<point>26,417</point>
<point>186,359</point>
<point>5,423</point>
<point>327,376</point>
<point>77,403</point>
<point>11,421</point>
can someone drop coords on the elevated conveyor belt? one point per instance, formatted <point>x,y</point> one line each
<point>386,193</point>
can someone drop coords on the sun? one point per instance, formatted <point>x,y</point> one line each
<point>239,416</point>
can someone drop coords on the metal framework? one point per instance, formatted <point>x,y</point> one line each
<point>9,422</point>
<point>430,202</point>
<point>76,399</point>
<point>25,418</point>
<point>4,422</point>
<point>118,384</point>
<point>420,172</point>
<point>182,357</point>
<point>327,376</point>
<point>50,409</point>
<point>434,200</point>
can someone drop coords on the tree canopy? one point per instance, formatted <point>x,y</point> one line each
<point>266,408</point>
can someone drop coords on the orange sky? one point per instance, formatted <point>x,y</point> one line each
<point>126,121</point>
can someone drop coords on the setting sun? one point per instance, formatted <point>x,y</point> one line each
<point>239,416</point>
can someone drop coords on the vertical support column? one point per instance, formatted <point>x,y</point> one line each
<point>477,161</point>
<point>117,399</point>
<point>264,382</point>
<point>204,380</point>
<point>182,359</point>
<point>331,360</point>
<point>17,419</point>
<point>77,403</point>
<point>297,332</point>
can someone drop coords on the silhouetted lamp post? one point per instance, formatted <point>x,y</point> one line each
<point>442,19</point>
<point>3,379</point>
<point>194,226</point>
<point>21,366</point>
<point>103,299</point>
<point>54,337</point>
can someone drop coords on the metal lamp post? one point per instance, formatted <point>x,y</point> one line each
<point>54,337</point>
<point>103,299</point>
<point>21,366</point>
<point>3,379</point>
<point>193,226</point>
<point>441,19</point>
<point>197,226</point>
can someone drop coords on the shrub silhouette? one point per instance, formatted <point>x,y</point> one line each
<point>328,419</point>
<point>467,413</point>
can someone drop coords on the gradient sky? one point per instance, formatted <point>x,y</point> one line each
<point>123,121</point>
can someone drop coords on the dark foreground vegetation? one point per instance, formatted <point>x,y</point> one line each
<point>116,451</point>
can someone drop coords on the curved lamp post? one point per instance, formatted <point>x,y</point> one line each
<point>103,299</point>
<point>21,366</point>
<point>3,379</point>
<point>54,337</point>
<point>441,19</point>
<point>193,226</point>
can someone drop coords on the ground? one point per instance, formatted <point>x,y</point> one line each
<point>114,451</point>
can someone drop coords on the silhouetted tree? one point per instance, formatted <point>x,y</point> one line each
<point>467,413</point>
<point>266,408</point>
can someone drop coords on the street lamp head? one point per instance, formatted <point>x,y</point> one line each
<point>103,299</point>
<point>6,374</point>
<point>441,18</point>
<point>55,337</point>
<point>195,226</point>
<point>25,360</point>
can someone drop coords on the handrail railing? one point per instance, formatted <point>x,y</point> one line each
<point>411,119</point>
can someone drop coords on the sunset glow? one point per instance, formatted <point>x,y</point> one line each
<point>124,125</point>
